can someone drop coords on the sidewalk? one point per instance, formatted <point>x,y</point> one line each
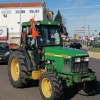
<point>94,55</point>
<point>91,54</point>
<point>86,48</point>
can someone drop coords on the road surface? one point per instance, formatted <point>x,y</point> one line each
<point>7,92</point>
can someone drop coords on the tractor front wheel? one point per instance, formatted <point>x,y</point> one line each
<point>50,86</point>
<point>87,88</point>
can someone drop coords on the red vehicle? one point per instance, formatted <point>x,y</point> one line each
<point>13,46</point>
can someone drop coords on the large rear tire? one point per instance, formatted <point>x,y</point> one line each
<point>17,71</point>
<point>50,86</point>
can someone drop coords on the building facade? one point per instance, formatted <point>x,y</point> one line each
<point>13,14</point>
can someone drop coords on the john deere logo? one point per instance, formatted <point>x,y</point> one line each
<point>1,31</point>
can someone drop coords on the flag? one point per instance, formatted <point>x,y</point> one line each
<point>34,31</point>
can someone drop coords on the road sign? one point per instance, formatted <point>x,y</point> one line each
<point>78,31</point>
<point>86,38</point>
<point>95,30</point>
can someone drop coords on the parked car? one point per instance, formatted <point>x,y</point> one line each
<point>96,42</point>
<point>4,51</point>
<point>13,46</point>
<point>75,45</point>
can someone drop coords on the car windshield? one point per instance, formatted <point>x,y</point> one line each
<point>4,46</point>
<point>97,39</point>
<point>50,35</point>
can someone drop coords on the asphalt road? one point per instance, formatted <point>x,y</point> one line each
<point>7,92</point>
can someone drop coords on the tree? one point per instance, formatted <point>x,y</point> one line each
<point>75,36</point>
<point>99,33</point>
<point>58,17</point>
<point>62,22</point>
<point>79,37</point>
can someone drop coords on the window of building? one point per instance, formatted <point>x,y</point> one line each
<point>3,12</point>
<point>31,11</point>
<point>22,11</point>
<point>36,11</point>
<point>8,12</point>
<point>17,11</point>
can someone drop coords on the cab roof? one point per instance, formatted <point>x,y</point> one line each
<point>41,23</point>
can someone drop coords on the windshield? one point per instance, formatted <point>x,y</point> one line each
<point>4,46</point>
<point>50,35</point>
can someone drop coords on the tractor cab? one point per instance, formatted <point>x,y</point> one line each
<point>49,34</point>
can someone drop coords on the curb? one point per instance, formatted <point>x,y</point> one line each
<point>94,55</point>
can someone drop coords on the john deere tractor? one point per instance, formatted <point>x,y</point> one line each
<point>45,59</point>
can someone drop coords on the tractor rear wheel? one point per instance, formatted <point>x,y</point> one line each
<point>87,88</point>
<point>50,86</point>
<point>17,70</point>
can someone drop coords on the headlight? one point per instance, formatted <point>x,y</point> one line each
<point>48,61</point>
<point>7,53</point>
<point>86,58</point>
<point>77,59</point>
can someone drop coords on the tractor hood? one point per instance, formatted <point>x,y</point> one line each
<point>64,52</point>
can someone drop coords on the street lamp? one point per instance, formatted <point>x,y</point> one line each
<point>20,20</point>
<point>20,14</point>
<point>85,18</point>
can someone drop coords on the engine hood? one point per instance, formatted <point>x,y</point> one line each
<point>64,52</point>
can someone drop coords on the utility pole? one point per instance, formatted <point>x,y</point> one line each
<point>20,21</point>
<point>85,18</point>
<point>20,14</point>
<point>88,30</point>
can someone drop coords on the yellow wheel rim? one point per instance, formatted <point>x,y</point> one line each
<point>46,87</point>
<point>15,69</point>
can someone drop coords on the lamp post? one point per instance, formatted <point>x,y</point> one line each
<point>20,20</point>
<point>20,14</point>
<point>85,18</point>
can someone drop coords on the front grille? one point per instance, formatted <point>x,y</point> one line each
<point>80,67</point>
<point>66,65</point>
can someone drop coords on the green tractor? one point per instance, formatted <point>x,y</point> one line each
<point>46,60</point>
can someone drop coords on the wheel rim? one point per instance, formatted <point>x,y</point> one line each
<point>46,88</point>
<point>15,69</point>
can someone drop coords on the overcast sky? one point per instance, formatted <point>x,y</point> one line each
<point>74,12</point>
